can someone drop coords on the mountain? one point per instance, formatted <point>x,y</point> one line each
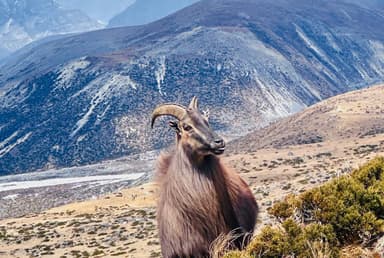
<point>23,21</point>
<point>100,10</point>
<point>353,115</point>
<point>88,97</point>
<point>146,11</point>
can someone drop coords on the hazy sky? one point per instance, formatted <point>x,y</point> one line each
<point>102,10</point>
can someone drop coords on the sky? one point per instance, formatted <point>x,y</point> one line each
<point>101,10</point>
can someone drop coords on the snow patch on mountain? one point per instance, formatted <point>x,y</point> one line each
<point>68,72</point>
<point>102,90</point>
<point>99,180</point>
<point>160,74</point>
<point>377,60</point>
<point>331,41</point>
<point>281,102</point>
<point>8,148</point>
<point>98,98</point>
<point>312,45</point>
<point>7,140</point>
<point>11,97</point>
<point>271,66</point>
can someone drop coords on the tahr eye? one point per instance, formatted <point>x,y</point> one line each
<point>187,128</point>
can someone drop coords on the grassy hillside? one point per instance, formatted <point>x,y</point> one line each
<point>356,114</point>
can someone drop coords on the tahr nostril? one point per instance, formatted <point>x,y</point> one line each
<point>219,141</point>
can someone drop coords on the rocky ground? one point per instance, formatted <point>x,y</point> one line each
<point>121,224</point>
<point>273,173</point>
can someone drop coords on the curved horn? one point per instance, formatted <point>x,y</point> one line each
<point>194,103</point>
<point>174,110</point>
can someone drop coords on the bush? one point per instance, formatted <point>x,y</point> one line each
<point>353,205</point>
<point>283,209</point>
<point>346,211</point>
<point>293,240</point>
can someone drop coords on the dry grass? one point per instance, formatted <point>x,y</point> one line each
<point>225,242</point>
<point>359,252</point>
<point>320,249</point>
<point>122,224</point>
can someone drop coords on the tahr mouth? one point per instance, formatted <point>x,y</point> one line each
<point>218,151</point>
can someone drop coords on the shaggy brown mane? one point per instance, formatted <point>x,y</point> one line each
<point>200,198</point>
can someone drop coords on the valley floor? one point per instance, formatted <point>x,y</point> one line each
<point>35,192</point>
<point>123,224</point>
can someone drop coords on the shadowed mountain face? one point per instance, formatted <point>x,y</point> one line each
<point>377,5</point>
<point>89,97</point>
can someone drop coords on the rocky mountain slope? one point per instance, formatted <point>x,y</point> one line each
<point>24,21</point>
<point>370,4</point>
<point>88,97</point>
<point>145,11</point>
<point>123,223</point>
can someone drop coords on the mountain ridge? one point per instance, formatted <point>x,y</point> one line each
<point>92,101</point>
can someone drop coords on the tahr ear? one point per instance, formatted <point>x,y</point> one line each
<point>194,103</point>
<point>174,125</point>
<point>206,114</point>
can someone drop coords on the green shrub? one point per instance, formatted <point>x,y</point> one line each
<point>283,209</point>
<point>236,254</point>
<point>271,242</point>
<point>292,240</point>
<point>353,205</point>
<point>347,210</point>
